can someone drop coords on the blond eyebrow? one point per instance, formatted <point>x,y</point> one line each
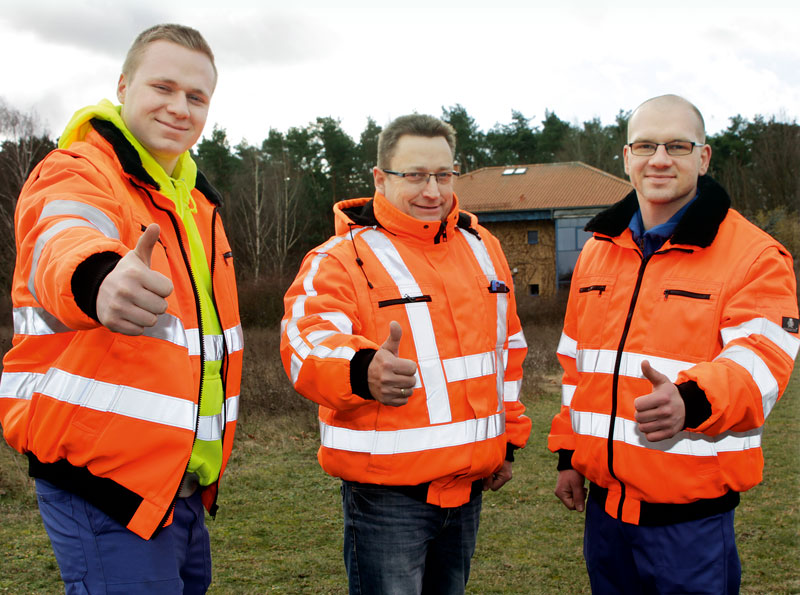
<point>164,79</point>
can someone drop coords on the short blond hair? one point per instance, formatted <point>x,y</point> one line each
<point>182,35</point>
<point>412,125</point>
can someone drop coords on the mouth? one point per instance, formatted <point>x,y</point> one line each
<point>174,127</point>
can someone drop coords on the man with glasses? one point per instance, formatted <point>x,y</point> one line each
<point>403,328</point>
<point>680,335</point>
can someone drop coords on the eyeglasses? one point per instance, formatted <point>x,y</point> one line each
<point>421,177</point>
<point>676,148</point>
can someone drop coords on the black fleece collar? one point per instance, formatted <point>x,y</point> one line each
<point>132,164</point>
<point>698,226</point>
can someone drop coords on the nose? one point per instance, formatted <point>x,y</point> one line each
<point>661,157</point>
<point>179,105</point>
<point>431,187</point>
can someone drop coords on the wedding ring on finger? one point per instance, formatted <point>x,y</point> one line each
<point>402,392</point>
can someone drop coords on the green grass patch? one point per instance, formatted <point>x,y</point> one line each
<point>279,528</point>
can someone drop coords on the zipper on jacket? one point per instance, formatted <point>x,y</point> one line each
<point>598,288</point>
<point>406,299</point>
<point>615,383</point>
<point>441,235</point>
<point>687,294</point>
<point>188,266</point>
<point>225,359</point>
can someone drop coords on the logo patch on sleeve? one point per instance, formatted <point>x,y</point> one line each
<point>791,325</point>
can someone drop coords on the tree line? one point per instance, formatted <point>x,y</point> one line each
<point>278,194</point>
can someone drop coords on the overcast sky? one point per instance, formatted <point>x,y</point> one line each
<point>282,64</point>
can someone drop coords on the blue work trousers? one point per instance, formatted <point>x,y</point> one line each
<point>97,555</point>
<point>395,544</point>
<point>697,557</point>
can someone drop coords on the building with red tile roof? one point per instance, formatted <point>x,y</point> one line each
<point>538,212</point>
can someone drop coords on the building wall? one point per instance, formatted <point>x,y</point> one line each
<point>535,264</point>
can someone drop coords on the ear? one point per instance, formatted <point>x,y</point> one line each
<point>122,86</point>
<point>380,180</point>
<point>705,159</point>
<point>625,157</point>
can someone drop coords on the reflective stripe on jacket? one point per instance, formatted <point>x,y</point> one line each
<point>465,338</point>
<point>709,310</point>
<point>101,405</point>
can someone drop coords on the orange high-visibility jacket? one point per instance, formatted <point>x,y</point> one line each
<point>111,416</point>
<point>715,310</point>
<point>449,286</point>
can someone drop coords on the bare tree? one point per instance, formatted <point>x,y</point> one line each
<point>24,144</point>
<point>285,184</point>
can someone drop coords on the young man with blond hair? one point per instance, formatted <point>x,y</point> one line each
<point>122,386</point>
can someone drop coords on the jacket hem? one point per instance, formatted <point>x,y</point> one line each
<point>659,514</point>
<point>116,501</point>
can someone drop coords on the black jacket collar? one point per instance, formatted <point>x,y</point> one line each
<point>698,226</point>
<point>132,164</point>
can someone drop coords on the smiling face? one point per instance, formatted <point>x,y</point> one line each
<point>428,201</point>
<point>165,100</point>
<point>665,183</point>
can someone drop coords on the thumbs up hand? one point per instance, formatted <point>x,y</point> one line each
<point>390,378</point>
<point>132,295</point>
<point>661,414</point>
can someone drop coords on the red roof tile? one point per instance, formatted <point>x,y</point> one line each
<point>541,186</point>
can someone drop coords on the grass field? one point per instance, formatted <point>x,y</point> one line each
<point>279,525</point>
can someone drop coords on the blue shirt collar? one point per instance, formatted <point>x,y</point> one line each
<point>655,237</point>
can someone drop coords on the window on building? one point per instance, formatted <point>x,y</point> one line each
<point>533,236</point>
<point>570,238</point>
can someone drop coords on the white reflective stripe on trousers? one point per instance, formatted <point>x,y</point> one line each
<point>766,328</point>
<point>692,444</point>
<point>419,317</point>
<point>501,321</point>
<point>101,396</point>
<point>389,442</point>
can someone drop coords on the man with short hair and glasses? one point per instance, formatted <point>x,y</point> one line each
<point>403,328</point>
<point>680,336</point>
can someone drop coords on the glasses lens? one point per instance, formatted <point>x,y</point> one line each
<point>643,149</point>
<point>415,177</point>
<point>444,177</point>
<point>679,148</point>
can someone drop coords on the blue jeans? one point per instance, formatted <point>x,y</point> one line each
<point>98,555</point>
<point>692,557</point>
<point>395,544</point>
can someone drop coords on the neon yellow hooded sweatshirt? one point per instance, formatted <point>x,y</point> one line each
<point>206,457</point>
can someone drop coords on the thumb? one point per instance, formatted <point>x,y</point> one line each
<point>654,376</point>
<point>392,342</point>
<point>144,247</point>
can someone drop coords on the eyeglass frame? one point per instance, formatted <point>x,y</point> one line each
<point>691,150</point>
<point>404,174</point>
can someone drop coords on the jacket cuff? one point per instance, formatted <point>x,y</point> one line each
<point>564,459</point>
<point>698,409</point>
<point>358,373</point>
<point>510,448</point>
<point>88,277</point>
